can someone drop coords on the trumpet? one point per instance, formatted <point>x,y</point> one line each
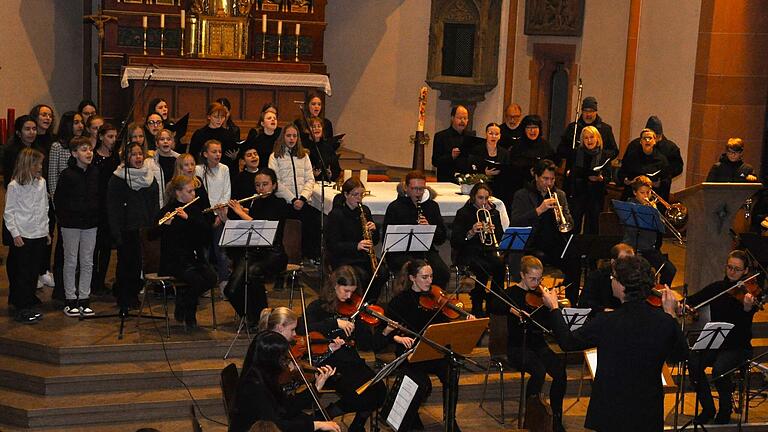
<point>487,234</point>
<point>563,224</point>
<point>367,236</point>
<point>226,204</point>
<point>170,215</point>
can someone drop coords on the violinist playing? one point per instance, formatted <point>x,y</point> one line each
<point>260,394</point>
<point>539,357</point>
<point>322,315</point>
<point>737,307</point>
<point>413,282</point>
<point>474,245</point>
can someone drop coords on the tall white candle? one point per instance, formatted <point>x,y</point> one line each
<point>162,20</point>
<point>144,21</point>
<point>298,28</point>
<point>264,23</point>
<point>279,27</point>
<point>347,174</point>
<point>183,20</point>
<point>364,176</point>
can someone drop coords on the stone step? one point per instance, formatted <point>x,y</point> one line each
<point>46,379</point>
<point>28,410</point>
<point>178,425</point>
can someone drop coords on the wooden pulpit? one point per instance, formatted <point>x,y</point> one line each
<point>711,209</point>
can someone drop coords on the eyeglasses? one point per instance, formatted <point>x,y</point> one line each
<point>647,138</point>
<point>733,269</point>
<point>155,122</point>
<point>731,151</point>
<point>532,127</point>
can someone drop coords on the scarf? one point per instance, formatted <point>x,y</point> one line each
<point>595,155</point>
<point>138,178</point>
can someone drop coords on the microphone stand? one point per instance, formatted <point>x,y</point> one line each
<point>322,214</point>
<point>140,96</point>
<point>578,113</point>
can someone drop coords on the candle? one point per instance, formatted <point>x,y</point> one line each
<point>298,28</point>
<point>3,131</point>
<point>162,21</point>
<point>183,21</point>
<point>279,27</point>
<point>364,176</point>
<point>347,174</point>
<point>10,119</point>
<point>144,21</point>
<point>264,23</point>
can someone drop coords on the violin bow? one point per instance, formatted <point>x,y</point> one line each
<point>306,326</point>
<point>737,284</point>
<point>310,387</point>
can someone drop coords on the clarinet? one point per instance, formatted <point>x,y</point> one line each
<point>367,236</point>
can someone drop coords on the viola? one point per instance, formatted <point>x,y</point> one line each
<point>534,298</point>
<point>435,299</point>
<point>351,306</point>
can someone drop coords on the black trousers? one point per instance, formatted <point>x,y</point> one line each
<point>310,229</point>
<point>58,265</point>
<point>441,274</point>
<point>261,263</point>
<point>587,207</point>
<point>541,360</point>
<point>199,277</point>
<point>129,263</point>
<point>485,266</point>
<point>23,268</point>
<point>419,373</point>
<point>721,361</point>
<point>101,257</point>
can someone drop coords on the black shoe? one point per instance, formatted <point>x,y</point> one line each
<point>26,316</point>
<point>704,417</point>
<point>190,320</point>
<point>178,313</point>
<point>557,423</point>
<point>723,417</point>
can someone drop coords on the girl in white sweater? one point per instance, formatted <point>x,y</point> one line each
<point>26,216</point>
<point>295,180</point>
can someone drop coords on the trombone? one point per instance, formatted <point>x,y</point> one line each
<point>674,218</point>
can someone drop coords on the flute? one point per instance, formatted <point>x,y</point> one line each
<point>226,204</point>
<point>170,215</point>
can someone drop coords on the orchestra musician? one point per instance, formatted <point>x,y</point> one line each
<point>645,242</point>
<point>474,240</point>
<point>666,147</point>
<point>632,344</point>
<point>322,315</point>
<point>261,261</point>
<point>346,241</point>
<point>408,209</point>
<point>730,167</point>
<point>415,280</point>
<point>584,185</point>
<point>449,151</point>
<point>260,394</point>
<point>184,241</point>
<point>536,206</point>
<point>645,160</point>
<point>597,293</point>
<point>736,347</point>
<point>538,358</point>
<point>589,117</point>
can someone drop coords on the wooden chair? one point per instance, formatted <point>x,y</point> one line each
<point>150,251</point>
<point>229,378</point>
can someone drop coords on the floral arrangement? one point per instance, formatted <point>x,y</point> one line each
<point>471,179</point>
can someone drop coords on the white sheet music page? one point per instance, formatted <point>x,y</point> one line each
<point>405,395</point>
<point>712,330</point>
<point>575,317</point>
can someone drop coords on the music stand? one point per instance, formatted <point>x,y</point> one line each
<point>247,234</point>
<point>711,337</point>
<point>400,238</point>
<point>514,239</point>
<point>459,337</point>
<point>641,217</point>
<point>588,248</point>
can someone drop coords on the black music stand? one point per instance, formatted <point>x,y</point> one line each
<point>514,240</point>
<point>588,248</point>
<point>711,337</point>
<point>246,234</point>
<point>408,238</point>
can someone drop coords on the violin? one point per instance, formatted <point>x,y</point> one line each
<point>319,346</point>
<point>534,298</point>
<point>352,306</point>
<point>654,299</point>
<point>748,287</point>
<point>435,299</point>
<point>290,378</point>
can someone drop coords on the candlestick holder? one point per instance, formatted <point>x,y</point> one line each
<point>263,45</point>
<point>145,41</point>
<point>181,43</point>
<point>162,41</point>
<point>297,47</point>
<point>279,40</point>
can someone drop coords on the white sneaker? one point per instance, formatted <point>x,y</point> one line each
<point>71,311</point>
<point>40,284</point>
<point>87,311</point>
<point>47,279</point>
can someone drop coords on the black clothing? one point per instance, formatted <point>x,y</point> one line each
<point>637,163</point>
<point>759,210</point>
<point>445,165</point>
<point>632,344</point>
<point>256,399</point>
<point>729,172</point>
<point>597,293</point>
<point>221,134</point>
<point>510,137</point>
<point>322,154</point>
<point>11,153</point>
<point>103,250</point>
<point>77,200</point>
<point>480,258</point>
<point>262,261</point>
<point>479,160</point>
<point>128,209</point>
<point>646,244</point>
<point>727,309</point>
<point>522,157</point>
<point>168,165</point>
<point>546,241</point>
<point>352,369</point>
<point>263,143</point>
<point>402,211</point>
<point>566,149</point>
<point>343,231</point>
<point>304,131</point>
<point>243,185</point>
<point>586,197</point>
<point>669,150</point>
<point>23,268</point>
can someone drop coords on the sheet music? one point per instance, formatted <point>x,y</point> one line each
<point>575,317</point>
<point>598,168</point>
<point>710,331</point>
<point>653,174</point>
<point>405,395</point>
